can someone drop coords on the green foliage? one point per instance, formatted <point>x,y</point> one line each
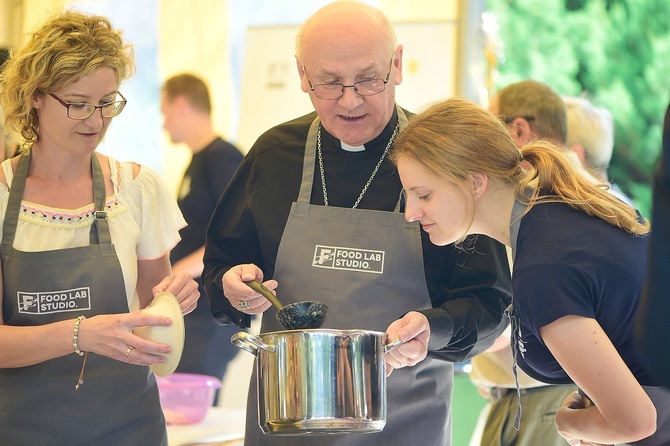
<point>614,52</point>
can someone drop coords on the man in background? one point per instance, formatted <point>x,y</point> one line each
<point>591,139</point>
<point>531,110</point>
<point>186,108</point>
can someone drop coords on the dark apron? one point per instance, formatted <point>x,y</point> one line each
<point>118,403</point>
<point>367,266</point>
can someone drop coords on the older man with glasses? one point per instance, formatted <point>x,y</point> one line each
<point>322,184</point>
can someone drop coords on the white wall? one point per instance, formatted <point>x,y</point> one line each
<point>4,25</point>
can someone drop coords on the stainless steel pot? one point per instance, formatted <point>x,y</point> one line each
<point>315,382</point>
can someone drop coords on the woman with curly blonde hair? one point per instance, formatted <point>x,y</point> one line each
<point>85,245</point>
<point>579,262</point>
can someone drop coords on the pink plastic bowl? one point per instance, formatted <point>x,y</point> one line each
<point>186,397</point>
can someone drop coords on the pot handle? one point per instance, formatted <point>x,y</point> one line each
<point>250,343</point>
<point>392,345</point>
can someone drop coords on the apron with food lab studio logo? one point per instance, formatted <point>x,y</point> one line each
<point>367,266</point>
<point>118,403</point>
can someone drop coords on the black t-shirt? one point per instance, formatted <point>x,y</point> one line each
<point>569,263</point>
<point>205,179</point>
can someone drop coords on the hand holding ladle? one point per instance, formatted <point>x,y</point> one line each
<point>295,316</point>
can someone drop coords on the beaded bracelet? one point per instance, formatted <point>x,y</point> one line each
<point>75,336</point>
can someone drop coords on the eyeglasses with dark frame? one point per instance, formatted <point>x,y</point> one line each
<point>335,90</point>
<point>81,110</point>
<point>510,119</point>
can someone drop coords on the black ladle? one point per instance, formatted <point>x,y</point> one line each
<point>297,316</point>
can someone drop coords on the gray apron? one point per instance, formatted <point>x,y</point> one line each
<point>118,403</point>
<point>367,266</point>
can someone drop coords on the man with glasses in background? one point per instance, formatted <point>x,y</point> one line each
<point>322,184</point>
<point>531,110</point>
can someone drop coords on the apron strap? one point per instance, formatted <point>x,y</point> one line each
<point>518,211</point>
<point>402,118</point>
<point>402,123</point>
<point>99,229</point>
<point>308,163</point>
<point>14,201</point>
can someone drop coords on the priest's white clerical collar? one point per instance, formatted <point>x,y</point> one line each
<point>349,148</point>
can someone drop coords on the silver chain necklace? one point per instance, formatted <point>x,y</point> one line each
<point>374,172</point>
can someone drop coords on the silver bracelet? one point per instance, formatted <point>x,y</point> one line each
<point>75,336</point>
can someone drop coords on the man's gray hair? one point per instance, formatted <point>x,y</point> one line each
<point>593,128</point>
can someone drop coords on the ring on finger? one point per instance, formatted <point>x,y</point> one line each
<point>130,349</point>
<point>244,305</point>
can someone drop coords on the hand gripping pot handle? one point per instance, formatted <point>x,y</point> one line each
<point>392,345</point>
<point>387,347</point>
<point>250,343</point>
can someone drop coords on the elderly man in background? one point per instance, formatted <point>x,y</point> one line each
<point>591,138</point>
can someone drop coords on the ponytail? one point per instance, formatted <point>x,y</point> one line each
<point>554,177</point>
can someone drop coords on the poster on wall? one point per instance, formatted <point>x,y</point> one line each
<point>271,91</point>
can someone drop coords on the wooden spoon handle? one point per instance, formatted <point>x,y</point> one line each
<point>259,287</point>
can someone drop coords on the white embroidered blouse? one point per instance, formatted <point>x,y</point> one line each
<point>144,221</point>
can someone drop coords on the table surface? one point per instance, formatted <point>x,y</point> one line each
<point>221,424</point>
